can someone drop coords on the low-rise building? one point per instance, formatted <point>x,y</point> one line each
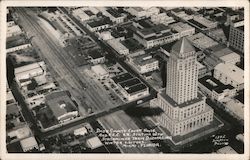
<point>230,74</point>
<point>131,88</point>
<point>24,74</point>
<point>118,46</point>
<point>96,57</point>
<point>16,43</point>
<point>61,106</point>
<point>215,89</point>
<point>140,12</point>
<point>113,14</point>
<point>202,41</point>
<point>100,71</point>
<point>162,18</point>
<point>97,25</point>
<point>205,22</point>
<point>80,131</point>
<point>183,29</point>
<point>155,35</point>
<point>29,144</point>
<point>94,142</point>
<point>13,30</point>
<point>232,58</point>
<point>144,63</point>
<point>83,14</point>
<point>180,13</point>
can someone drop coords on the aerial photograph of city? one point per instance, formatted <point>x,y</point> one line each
<point>119,79</point>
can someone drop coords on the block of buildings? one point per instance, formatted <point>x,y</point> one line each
<point>183,29</point>
<point>214,89</point>
<point>185,109</point>
<point>202,70</point>
<point>144,63</point>
<point>61,106</point>
<point>235,108</point>
<point>230,74</point>
<point>131,88</point>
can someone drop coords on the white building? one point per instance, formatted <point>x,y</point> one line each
<point>144,63</point>
<point>232,58</point>
<point>29,144</point>
<point>162,18</point>
<point>97,25</point>
<point>24,74</point>
<point>183,29</point>
<point>185,109</point>
<point>13,30</point>
<point>100,71</point>
<point>105,35</point>
<point>118,46</point>
<point>202,41</point>
<point>229,74</point>
<point>80,131</point>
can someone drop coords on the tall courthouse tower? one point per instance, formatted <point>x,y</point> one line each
<point>185,109</point>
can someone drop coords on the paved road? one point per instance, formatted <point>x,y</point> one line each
<point>64,62</point>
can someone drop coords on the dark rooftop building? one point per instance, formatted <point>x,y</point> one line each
<point>213,84</point>
<point>95,54</point>
<point>136,88</point>
<point>122,77</point>
<point>100,22</point>
<point>113,12</point>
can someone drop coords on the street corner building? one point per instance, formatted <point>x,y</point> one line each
<point>185,109</point>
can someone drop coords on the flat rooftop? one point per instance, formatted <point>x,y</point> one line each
<point>136,88</point>
<point>143,59</point>
<point>213,84</point>
<point>122,77</point>
<point>130,82</point>
<point>113,12</point>
<point>97,23</point>
<point>132,44</point>
<point>231,71</point>
<point>15,41</point>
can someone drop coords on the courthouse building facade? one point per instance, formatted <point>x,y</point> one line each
<point>185,109</point>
